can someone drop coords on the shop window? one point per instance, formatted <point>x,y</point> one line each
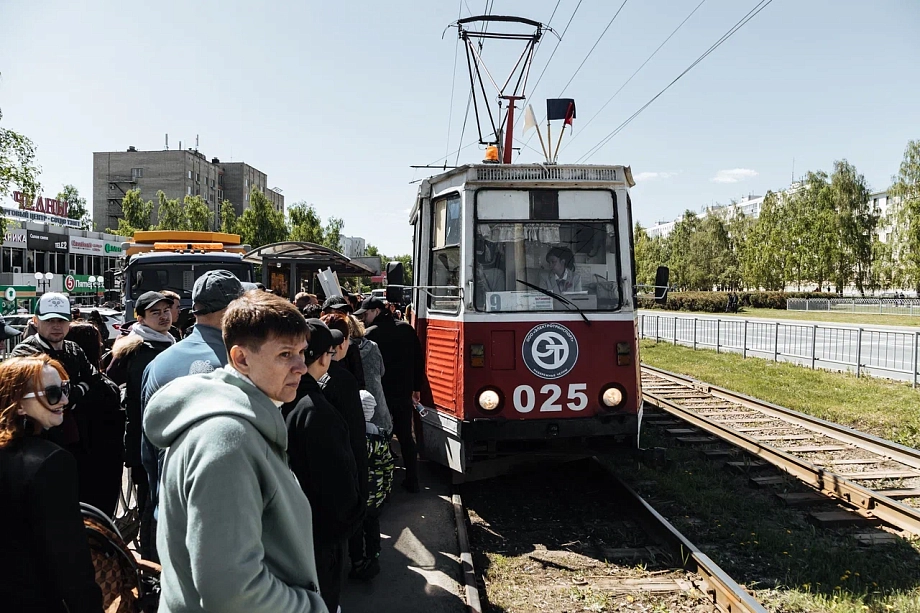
<point>80,266</point>
<point>18,258</point>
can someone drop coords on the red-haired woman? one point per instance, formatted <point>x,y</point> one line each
<point>45,563</point>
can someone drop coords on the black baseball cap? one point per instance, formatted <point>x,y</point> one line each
<point>337,303</point>
<point>215,290</point>
<point>371,303</point>
<point>321,339</point>
<point>148,299</point>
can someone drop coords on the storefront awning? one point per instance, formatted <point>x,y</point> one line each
<point>307,255</point>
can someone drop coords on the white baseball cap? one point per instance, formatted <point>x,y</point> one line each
<point>53,306</point>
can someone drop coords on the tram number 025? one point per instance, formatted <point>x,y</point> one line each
<point>550,398</point>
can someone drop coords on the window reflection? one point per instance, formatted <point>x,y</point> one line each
<point>577,260</point>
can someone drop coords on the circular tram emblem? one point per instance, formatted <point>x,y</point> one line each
<point>70,283</point>
<point>550,351</point>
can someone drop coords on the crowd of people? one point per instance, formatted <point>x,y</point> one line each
<point>258,442</point>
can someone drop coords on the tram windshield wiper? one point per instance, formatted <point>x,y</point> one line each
<point>558,297</point>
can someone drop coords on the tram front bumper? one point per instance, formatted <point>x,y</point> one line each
<point>617,425</point>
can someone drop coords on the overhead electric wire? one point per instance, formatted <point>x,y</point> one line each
<point>671,35</point>
<point>555,8</point>
<point>469,100</point>
<point>762,4</point>
<point>553,54</point>
<point>609,23</point>
<point>453,84</point>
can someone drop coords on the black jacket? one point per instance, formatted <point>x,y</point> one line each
<point>341,390</point>
<point>83,376</point>
<point>131,356</point>
<point>44,556</point>
<point>352,363</point>
<point>402,355</point>
<point>320,456</point>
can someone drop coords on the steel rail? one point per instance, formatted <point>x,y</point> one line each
<point>830,483</point>
<point>725,592</point>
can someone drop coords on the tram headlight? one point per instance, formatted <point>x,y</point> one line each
<point>489,400</point>
<point>612,396</point>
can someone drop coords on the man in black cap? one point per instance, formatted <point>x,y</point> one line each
<point>336,304</point>
<point>130,356</point>
<point>200,351</point>
<point>403,378</point>
<point>320,455</point>
<point>352,360</point>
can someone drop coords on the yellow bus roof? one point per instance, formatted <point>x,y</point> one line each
<point>169,236</point>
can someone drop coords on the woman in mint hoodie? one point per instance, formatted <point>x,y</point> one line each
<point>235,528</point>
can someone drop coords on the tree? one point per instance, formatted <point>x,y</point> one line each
<point>765,256</point>
<point>228,221</point>
<point>17,166</point>
<point>906,187</point>
<point>170,214</point>
<point>686,273</point>
<point>648,255</point>
<point>371,250</point>
<point>856,223</point>
<point>76,206</point>
<point>261,224</point>
<point>306,224</point>
<point>136,214</point>
<point>198,217</point>
<point>332,233</point>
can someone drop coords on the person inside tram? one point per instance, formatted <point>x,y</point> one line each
<point>561,276</point>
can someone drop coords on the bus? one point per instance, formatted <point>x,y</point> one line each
<point>524,289</point>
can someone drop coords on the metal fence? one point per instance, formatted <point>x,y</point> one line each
<point>872,306</point>
<point>881,353</point>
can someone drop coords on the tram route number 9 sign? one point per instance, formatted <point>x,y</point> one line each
<point>550,351</point>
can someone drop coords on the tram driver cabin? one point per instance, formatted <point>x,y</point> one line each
<point>526,310</point>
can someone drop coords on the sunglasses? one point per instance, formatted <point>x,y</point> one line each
<point>54,393</point>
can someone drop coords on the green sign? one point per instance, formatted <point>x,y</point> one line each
<point>79,284</point>
<point>110,248</point>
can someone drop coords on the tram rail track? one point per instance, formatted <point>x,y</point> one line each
<point>718,587</point>
<point>873,475</point>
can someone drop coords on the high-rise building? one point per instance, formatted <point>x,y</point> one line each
<point>178,173</point>
<point>353,247</point>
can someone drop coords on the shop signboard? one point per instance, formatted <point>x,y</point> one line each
<point>15,239</point>
<point>46,241</point>
<point>86,246</point>
<point>112,249</point>
<point>79,284</point>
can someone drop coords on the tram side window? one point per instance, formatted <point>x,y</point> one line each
<point>445,255</point>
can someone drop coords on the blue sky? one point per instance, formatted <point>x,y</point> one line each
<point>334,100</point>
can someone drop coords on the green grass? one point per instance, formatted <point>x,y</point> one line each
<point>888,409</point>
<point>865,319</point>
<point>791,565</point>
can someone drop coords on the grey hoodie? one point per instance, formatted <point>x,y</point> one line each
<point>235,528</point>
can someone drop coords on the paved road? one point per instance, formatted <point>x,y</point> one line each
<point>420,557</point>
<point>883,351</point>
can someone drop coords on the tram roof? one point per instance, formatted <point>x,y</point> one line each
<point>528,174</point>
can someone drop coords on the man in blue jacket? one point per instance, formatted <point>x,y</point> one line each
<point>202,351</point>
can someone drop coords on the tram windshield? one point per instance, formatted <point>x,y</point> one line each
<point>573,259</point>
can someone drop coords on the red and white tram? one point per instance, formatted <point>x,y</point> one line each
<point>525,306</point>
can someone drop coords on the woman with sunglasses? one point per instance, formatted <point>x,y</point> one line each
<point>45,563</point>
